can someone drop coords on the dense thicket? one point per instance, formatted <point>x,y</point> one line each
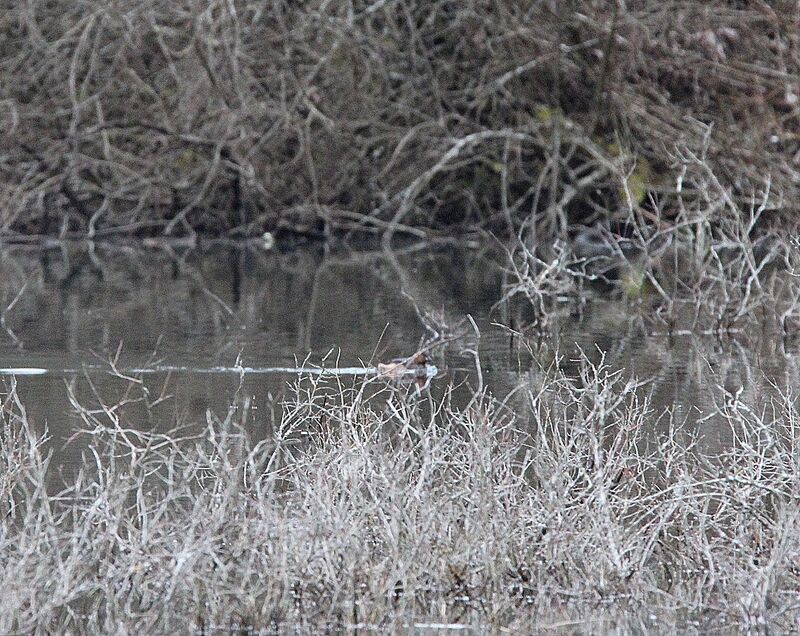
<point>368,509</point>
<point>234,116</point>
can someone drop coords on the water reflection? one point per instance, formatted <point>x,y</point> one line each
<point>215,307</point>
<point>73,308</point>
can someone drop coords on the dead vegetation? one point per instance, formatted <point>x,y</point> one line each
<point>380,116</point>
<point>707,273</point>
<point>353,509</point>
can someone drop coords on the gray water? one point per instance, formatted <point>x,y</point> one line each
<point>192,321</point>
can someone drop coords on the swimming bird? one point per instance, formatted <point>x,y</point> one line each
<point>415,366</point>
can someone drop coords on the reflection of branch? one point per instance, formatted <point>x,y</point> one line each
<point>312,304</point>
<point>441,330</point>
<point>17,342</point>
<point>216,298</point>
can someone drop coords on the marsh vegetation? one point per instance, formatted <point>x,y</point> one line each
<point>364,507</point>
<point>618,482</point>
<point>584,212</point>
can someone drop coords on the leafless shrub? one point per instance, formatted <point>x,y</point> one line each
<point>716,269</point>
<point>548,287</point>
<point>381,116</point>
<point>719,272</point>
<point>369,511</point>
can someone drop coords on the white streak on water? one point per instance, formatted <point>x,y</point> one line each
<point>431,371</point>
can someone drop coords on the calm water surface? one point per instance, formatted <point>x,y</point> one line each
<point>197,311</point>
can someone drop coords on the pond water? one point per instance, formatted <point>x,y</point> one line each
<point>192,316</point>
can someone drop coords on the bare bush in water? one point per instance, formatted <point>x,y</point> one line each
<point>716,269</point>
<point>590,513</point>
